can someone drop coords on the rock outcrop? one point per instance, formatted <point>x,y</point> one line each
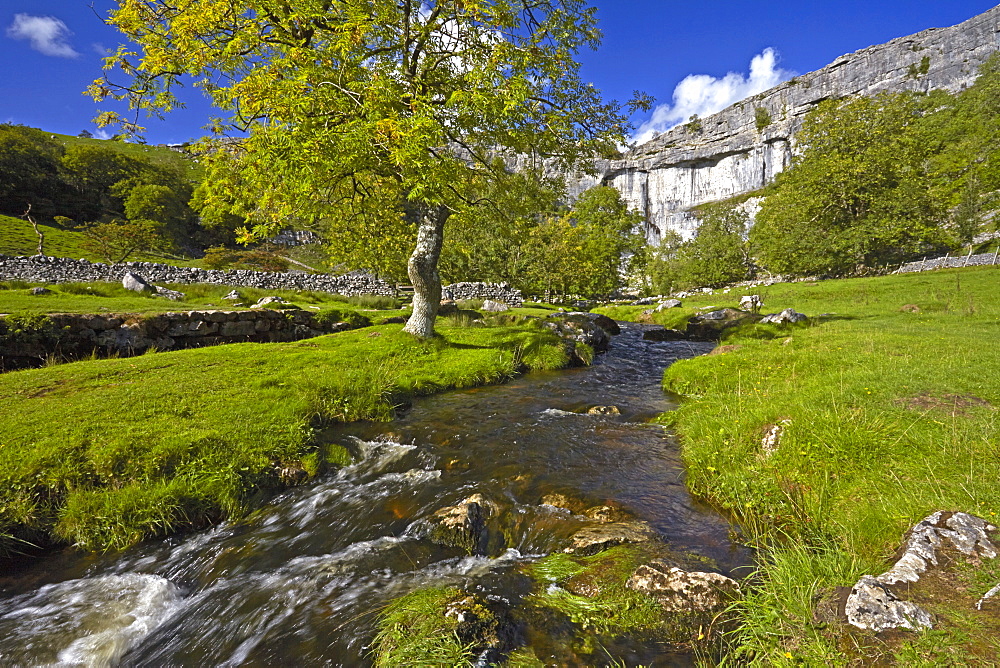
<point>735,152</point>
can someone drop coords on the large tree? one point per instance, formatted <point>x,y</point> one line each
<point>379,115</point>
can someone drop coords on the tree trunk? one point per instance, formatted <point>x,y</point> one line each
<point>423,272</point>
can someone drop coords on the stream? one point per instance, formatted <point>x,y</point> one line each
<point>301,581</point>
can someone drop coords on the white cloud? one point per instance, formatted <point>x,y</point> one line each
<point>101,133</point>
<point>47,34</point>
<point>703,95</point>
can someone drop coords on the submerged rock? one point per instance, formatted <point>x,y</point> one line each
<point>594,539</point>
<point>678,590</point>
<point>664,334</point>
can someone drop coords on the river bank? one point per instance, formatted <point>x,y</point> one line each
<point>105,453</point>
<point>829,441</point>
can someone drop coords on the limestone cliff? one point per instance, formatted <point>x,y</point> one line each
<point>729,156</point>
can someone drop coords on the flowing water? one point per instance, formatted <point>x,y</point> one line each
<point>301,581</point>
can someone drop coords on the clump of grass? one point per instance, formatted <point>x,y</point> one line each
<point>615,609</point>
<point>377,302</point>
<point>103,453</point>
<point>413,630</point>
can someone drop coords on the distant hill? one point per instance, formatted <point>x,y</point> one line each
<point>158,153</point>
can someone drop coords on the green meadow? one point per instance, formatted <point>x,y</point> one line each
<point>105,453</point>
<point>888,405</point>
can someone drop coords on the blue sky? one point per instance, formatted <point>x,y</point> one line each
<point>50,50</point>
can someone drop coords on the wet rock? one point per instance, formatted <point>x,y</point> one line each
<point>136,283</point>
<point>709,326</point>
<point>491,306</point>
<point>591,540</point>
<point>606,513</point>
<point>786,316</point>
<point>664,335</point>
<point>578,328</point>
<point>486,627</point>
<point>604,410</point>
<point>678,590</point>
<point>462,525</point>
<point>605,323</point>
<point>563,501</point>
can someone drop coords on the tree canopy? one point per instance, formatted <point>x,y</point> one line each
<point>386,116</point>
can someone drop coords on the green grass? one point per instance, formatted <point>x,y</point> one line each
<point>156,154</point>
<point>18,238</point>
<point>869,448</point>
<point>671,318</point>
<point>15,296</point>
<point>413,630</point>
<point>615,610</point>
<point>105,453</point>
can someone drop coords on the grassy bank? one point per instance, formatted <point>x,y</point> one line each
<point>889,410</point>
<point>16,296</point>
<point>106,453</point>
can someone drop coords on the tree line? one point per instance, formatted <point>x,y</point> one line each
<point>122,202</point>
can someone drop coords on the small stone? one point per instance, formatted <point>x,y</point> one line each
<point>910,308</point>
<point>233,296</point>
<point>670,303</point>
<point>604,410</point>
<point>494,307</point>
<point>786,316</point>
<point>40,291</point>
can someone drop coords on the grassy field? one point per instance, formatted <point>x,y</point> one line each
<point>17,238</point>
<point>105,453</point>
<point>15,296</point>
<point>888,403</point>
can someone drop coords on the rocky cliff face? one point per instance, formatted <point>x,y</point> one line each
<point>728,155</point>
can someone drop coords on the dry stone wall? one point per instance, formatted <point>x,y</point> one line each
<point>41,269</point>
<point>72,335</point>
<point>499,292</point>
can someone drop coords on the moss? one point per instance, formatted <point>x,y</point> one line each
<point>413,630</point>
<point>609,608</point>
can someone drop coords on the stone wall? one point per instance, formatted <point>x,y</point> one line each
<point>983,259</point>
<point>498,292</point>
<point>64,270</point>
<point>72,336</point>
